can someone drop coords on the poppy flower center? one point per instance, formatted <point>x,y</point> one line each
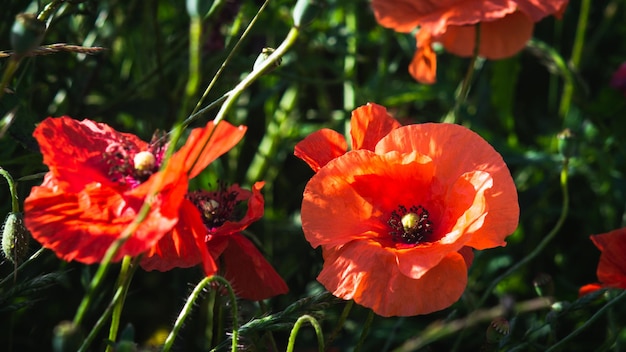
<point>216,207</point>
<point>130,166</point>
<point>410,226</point>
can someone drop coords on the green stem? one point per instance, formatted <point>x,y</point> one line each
<point>342,320</point>
<point>15,206</point>
<point>229,57</point>
<point>123,282</point>
<point>296,329</point>
<point>193,81</point>
<point>544,242</point>
<point>255,74</point>
<point>119,295</point>
<point>461,97</point>
<point>587,323</point>
<point>365,331</point>
<point>577,49</point>
<point>189,305</point>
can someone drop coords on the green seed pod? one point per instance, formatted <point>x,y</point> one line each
<point>15,238</point>
<point>27,33</point>
<point>67,337</point>
<point>198,8</point>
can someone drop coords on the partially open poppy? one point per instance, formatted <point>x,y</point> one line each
<point>99,179</point>
<point>505,27</point>
<point>397,217</point>
<point>612,266</point>
<point>215,216</point>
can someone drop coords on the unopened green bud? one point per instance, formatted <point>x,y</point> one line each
<point>305,11</point>
<point>263,56</point>
<point>198,8</point>
<point>498,328</point>
<point>27,33</point>
<point>67,337</point>
<point>15,238</point>
<point>568,145</point>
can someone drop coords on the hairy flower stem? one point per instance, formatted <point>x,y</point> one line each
<point>296,329</point>
<point>559,345</point>
<point>577,49</point>
<point>190,303</point>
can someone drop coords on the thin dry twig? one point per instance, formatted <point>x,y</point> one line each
<point>56,48</point>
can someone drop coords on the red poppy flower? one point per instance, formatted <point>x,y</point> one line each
<point>612,266</point>
<point>506,26</point>
<point>214,217</point>
<point>397,216</point>
<point>99,179</point>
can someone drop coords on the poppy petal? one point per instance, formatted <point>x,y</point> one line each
<point>447,145</point>
<point>320,147</point>
<point>73,149</point>
<point>538,9</point>
<point>248,272</point>
<point>183,247</point>
<point>204,145</point>
<point>363,271</point>
<point>369,124</point>
<point>612,266</point>
<point>423,66</point>
<point>499,39</point>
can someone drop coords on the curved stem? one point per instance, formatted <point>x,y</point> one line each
<point>587,323</point>
<point>189,305</point>
<point>15,207</point>
<point>544,242</point>
<point>296,329</point>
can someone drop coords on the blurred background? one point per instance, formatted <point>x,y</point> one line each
<point>341,60</point>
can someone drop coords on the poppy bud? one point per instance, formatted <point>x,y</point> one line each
<point>263,56</point>
<point>498,328</point>
<point>568,145</point>
<point>544,286</point>
<point>15,238</point>
<point>27,33</point>
<point>198,8</point>
<point>67,337</point>
<point>305,11</point>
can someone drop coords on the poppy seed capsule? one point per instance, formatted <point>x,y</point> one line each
<point>144,161</point>
<point>26,33</point>
<point>15,238</point>
<point>410,220</point>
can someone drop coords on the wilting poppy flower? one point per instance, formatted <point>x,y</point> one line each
<point>397,217</point>
<point>217,217</point>
<point>99,179</point>
<point>505,27</point>
<point>612,266</point>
